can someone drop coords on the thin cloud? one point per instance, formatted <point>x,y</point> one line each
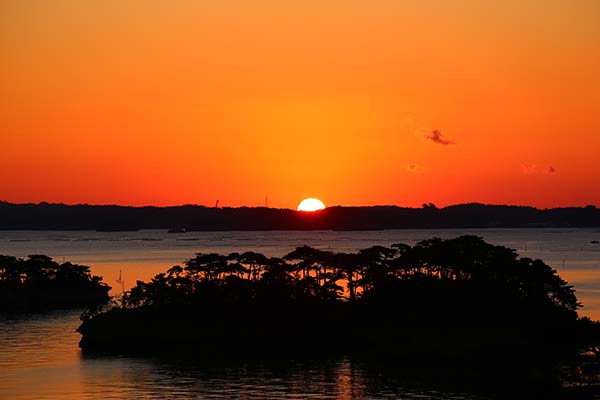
<point>530,168</point>
<point>437,137</point>
<point>415,168</point>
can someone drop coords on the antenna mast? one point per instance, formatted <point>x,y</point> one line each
<point>121,282</point>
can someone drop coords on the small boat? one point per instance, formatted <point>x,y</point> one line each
<point>594,242</point>
<point>177,230</point>
<point>117,230</point>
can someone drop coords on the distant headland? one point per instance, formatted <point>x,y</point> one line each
<point>46,216</point>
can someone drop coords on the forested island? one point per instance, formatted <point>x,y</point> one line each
<point>458,301</point>
<point>44,216</point>
<point>38,283</point>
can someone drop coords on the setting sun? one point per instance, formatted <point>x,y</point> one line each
<point>152,154</point>
<point>311,204</point>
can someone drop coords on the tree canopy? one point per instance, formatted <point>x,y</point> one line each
<point>38,282</point>
<point>371,274</point>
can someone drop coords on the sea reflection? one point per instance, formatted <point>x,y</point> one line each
<point>39,359</point>
<point>120,378</point>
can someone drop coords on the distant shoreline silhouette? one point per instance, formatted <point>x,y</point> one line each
<point>44,216</point>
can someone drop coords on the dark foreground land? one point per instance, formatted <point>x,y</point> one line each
<point>39,283</point>
<point>446,303</point>
<point>190,217</point>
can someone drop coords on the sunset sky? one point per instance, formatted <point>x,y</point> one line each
<point>353,102</point>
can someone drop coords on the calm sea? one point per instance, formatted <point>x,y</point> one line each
<point>39,357</point>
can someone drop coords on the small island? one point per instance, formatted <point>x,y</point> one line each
<point>460,300</point>
<point>38,283</point>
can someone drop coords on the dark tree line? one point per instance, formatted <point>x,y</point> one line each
<point>457,299</point>
<point>39,283</point>
<point>192,217</point>
<point>309,274</point>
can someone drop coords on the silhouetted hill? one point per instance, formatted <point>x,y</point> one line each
<point>191,217</point>
<point>39,283</point>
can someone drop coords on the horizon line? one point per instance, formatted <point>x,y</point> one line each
<point>423,206</point>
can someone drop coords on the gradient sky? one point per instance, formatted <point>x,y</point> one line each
<point>353,102</point>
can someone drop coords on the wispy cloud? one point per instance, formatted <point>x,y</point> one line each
<point>415,168</point>
<point>437,137</point>
<point>530,168</point>
<point>434,135</point>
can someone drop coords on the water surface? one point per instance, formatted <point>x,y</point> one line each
<point>39,357</point>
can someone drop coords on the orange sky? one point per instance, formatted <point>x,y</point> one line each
<point>353,102</point>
